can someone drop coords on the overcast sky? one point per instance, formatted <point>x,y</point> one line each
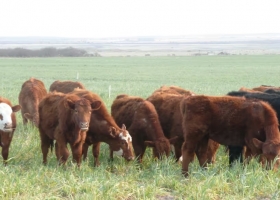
<point>121,18</point>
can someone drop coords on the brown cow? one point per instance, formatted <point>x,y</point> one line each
<point>143,124</point>
<point>230,121</point>
<point>168,109</point>
<point>243,89</point>
<point>263,88</point>
<point>103,128</point>
<point>32,92</point>
<point>64,118</point>
<point>173,90</point>
<point>7,125</point>
<point>65,86</point>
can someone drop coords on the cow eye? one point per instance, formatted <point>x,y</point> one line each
<point>76,111</point>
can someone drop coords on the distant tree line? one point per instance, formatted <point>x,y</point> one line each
<point>45,52</point>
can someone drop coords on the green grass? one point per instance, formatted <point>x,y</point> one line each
<point>25,177</point>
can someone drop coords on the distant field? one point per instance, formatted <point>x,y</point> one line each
<point>26,178</point>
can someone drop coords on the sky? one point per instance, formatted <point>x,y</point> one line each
<point>130,18</point>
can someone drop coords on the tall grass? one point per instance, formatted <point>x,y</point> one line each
<point>25,177</point>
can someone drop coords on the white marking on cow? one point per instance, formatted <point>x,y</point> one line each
<point>118,153</point>
<point>181,159</point>
<point>5,112</point>
<point>127,138</point>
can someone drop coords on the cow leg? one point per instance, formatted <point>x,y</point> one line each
<point>235,154</point>
<point>62,151</point>
<point>211,151</point>
<point>188,151</point>
<point>6,139</point>
<point>201,152</point>
<point>95,153</point>
<point>178,150</point>
<point>24,120</point>
<point>45,145</point>
<point>77,149</point>
<point>85,150</point>
<point>139,150</point>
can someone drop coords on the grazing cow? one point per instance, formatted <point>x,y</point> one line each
<point>64,118</point>
<point>7,125</point>
<point>168,109</point>
<point>173,90</point>
<point>65,86</point>
<point>273,99</point>
<point>103,128</point>
<point>243,89</point>
<point>229,121</point>
<point>143,124</point>
<point>32,92</point>
<point>263,88</point>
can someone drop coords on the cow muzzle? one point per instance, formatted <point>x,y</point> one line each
<point>84,126</point>
<point>8,127</point>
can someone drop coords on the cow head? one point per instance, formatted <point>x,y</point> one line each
<point>123,147</point>
<point>6,123</point>
<point>33,118</point>
<point>270,153</point>
<point>82,111</point>
<point>161,146</point>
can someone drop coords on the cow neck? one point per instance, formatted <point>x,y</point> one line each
<point>272,133</point>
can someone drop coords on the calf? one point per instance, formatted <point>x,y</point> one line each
<point>64,118</point>
<point>65,86</point>
<point>143,125</point>
<point>229,121</point>
<point>32,92</point>
<point>103,128</point>
<point>7,125</point>
<point>168,109</point>
<point>272,99</point>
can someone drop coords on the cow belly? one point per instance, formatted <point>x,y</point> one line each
<point>227,137</point>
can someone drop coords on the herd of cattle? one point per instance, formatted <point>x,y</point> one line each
<point>245,121</point>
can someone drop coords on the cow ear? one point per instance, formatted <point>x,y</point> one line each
<point>258,144</point>
<point>16,108</point>
<point>113,132</point>
<point>28,116</point>
<point>96,105</point>
<point>71,104</point>
<point>149,143</point>
<point>173,140</point>
<point>123,127</point>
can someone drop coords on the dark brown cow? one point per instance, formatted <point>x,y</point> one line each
<point>65,86</point>
<point>64,118</point>
<point>168,109</point>
<point>103,128</point>
<point>32,92</point>
<point>7,125</point>
<point>143,124</point>
<point>230,121</point>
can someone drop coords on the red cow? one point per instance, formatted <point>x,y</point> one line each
<point>7,125</point>
<point>32,92</point>
<point>103,128</point>
<point>143,125</point>
<point>65,86</point>
<point>230,121</point>
<point>64,118</point>
<point>173,90</point>
<point>168,109</point>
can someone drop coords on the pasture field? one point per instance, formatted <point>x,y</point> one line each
<point>25,177</point>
